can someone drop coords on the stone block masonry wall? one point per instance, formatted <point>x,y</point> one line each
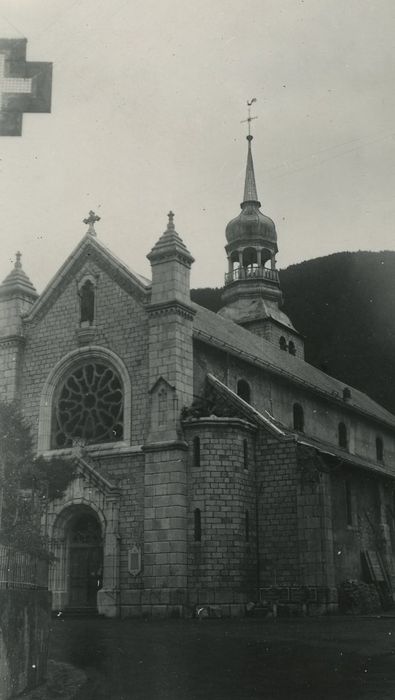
<point>314,503</point>
<point>295,537</point>
<point>362,524</point>
<point>170,280</point>
<point>11,351</point>
<point>170,352</point>
<point>277,512</point>
<point>387,513</point>
<point>165,531</point>
<point>222,565</point>
<point>11,343</point>
<point>128,473</point>
<point>12,306</point>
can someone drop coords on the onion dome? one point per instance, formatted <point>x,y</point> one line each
<point>251,226</point>
<point>17,281</point>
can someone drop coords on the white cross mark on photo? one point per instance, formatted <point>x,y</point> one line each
<point>12,85</point>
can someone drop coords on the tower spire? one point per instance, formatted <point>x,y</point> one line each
<point>17,281</point>
<point>250,193</point>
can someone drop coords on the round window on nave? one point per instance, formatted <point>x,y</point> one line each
<point>88,407</point>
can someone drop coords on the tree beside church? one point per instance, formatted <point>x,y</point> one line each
<point>27,484</point>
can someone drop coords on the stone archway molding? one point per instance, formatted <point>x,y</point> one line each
<point>89,492</point>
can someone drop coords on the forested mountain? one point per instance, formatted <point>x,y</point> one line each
<point>344,306</point>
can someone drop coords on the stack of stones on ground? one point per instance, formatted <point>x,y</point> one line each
<point>215,467</point>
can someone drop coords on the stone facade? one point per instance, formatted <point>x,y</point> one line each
<point>209,465</point>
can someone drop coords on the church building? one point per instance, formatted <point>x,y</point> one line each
<point>214,465</point>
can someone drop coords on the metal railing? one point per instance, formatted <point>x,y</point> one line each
<point>22,570</point>
<point>244,273</point>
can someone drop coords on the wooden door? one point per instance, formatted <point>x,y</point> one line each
<point>85,562</point>
<point>85,575</point>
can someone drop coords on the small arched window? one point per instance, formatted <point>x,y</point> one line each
<point>247,526</point>
<point>283,343</point>
<point>196,451</point>
<point>379,449</point>
<point>197,525</point>
<point>342,435</point>
<point>291,348</point>
<point>298,416</point>
<point>243,390</point>
<point>87,302</point>
<point>245,454</point>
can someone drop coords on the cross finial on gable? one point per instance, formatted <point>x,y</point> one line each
<point>170,225</point>
<point>90,221</point>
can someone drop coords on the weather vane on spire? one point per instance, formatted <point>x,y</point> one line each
<point>249,118</point>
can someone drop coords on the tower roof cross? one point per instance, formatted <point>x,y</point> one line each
<point>170,225</point>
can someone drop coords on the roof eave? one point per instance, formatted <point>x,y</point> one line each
<point>210,340</point>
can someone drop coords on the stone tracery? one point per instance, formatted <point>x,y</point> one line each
<point>89,406</point>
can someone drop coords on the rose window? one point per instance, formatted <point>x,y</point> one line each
<point>89,408</point>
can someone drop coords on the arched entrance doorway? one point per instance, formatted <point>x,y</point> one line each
<point>83,534</point>
<point>85,559</point>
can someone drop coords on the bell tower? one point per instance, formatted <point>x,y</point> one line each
<point>252,295</point>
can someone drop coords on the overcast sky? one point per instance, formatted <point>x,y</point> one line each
<point>148,96</point>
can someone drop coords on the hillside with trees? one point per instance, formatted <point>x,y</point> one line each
<point>344,306</point>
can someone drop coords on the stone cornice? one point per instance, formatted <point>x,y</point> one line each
<point>171,306</point>
<point>106,450</point>
<point>256,241</point>
<point>165,256</point>
<point>18,292</point>
<point>12,339</point>
<point>218,422</point>
<point>165,445</point>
